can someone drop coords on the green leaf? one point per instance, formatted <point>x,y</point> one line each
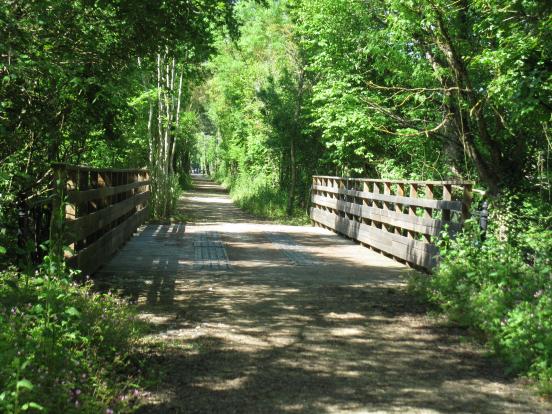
<point>72,311</point>
<point>24,384</point>
<point>2,250</point>
<point>34,405</point>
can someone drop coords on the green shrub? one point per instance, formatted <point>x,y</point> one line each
<point>259,196</point>
<point>61,345</point>
<point>502,287</point>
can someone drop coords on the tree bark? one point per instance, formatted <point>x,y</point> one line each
<point>489,170</point>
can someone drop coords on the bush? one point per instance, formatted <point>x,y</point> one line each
<point>262,198</point>
<point>61,345</point>
<point>502,287</point>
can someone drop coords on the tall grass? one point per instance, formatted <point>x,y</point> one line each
<point>264,199</point>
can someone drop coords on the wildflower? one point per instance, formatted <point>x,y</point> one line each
<point>14,311</point>
<point>538,293</point>
<point>109,411</point>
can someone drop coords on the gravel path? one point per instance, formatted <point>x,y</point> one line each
<point>251,317</point>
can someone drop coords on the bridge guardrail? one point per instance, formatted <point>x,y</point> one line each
<point>102,208</point>
<point>400,218</point>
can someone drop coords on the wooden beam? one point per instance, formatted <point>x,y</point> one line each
<point>415,252</point>
<point>459,183</point>
<point>413,223</point>
<point>410,201</point>
<point>80,228</point>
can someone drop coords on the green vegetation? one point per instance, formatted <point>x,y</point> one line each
<point>394,89</point>
<point>101,83</point>
<point>63,348</point>
<point>256,136</point>
<point>257,196</point>
<point>106,84</point>
<point>501,286</point>
<point>262,95</point>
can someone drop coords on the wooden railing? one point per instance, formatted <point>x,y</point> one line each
<point>399,218</point>
<point>103,207</point>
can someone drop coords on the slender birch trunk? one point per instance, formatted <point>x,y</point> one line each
<point>162,139</point>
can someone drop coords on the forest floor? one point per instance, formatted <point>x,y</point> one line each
<point>248,316</point>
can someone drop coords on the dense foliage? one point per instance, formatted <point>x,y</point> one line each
<point>425,89</point>
<point>255,131</point>
<point>102,83</point>
<point>62,347</point>
<point>77,80</point>
<point>501,286</point>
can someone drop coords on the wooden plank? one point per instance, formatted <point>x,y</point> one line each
<point>423,225</point>
<point>415,244</point>
<point>412,251</point>
<point>410,201</point>
<point>429,196</point>
<point>92,257</point>
<point>447,195</point>
<point>376,180</point>
<point>399,207</point>
<point>466,204</point>
<point>83,226</point>
<point>70,167</point>
<point>413,193</point>
<point>369,211</point>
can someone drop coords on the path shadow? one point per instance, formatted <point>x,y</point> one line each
<point>276,345</point>
<point>146,266</point>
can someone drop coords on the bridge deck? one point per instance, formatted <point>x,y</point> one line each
<point>256,317</point>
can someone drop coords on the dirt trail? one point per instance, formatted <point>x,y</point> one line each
<point>253,317</point>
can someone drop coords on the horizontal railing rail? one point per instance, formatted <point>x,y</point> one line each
<point>401,218</point>
<point>101,208</point>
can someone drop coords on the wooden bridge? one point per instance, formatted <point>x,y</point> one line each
<point>400,219</point>
<point>249,316</point>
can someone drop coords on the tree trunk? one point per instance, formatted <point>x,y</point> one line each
<point>291,194</point>
<point>294,136</point>
<point>489,170</point>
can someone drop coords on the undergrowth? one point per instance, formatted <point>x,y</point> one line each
<point>63,348</point>
<point>258,196</point>
<point>178,184</point>
<point>502,286</point>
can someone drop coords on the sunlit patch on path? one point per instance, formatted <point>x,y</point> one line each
<point>292,250</point>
